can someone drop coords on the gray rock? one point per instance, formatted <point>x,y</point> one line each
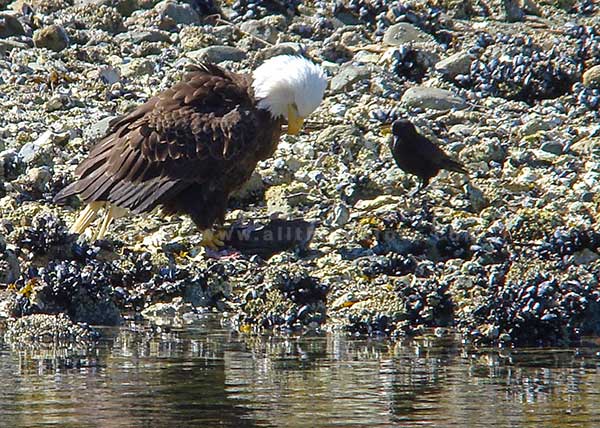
<point>339,216</point>
<point>553,147</point>
<point>512,11</point>
<point>217,54</point>
<point>38,178</point>
<point>32,151</point>
<point>265,29</point>
<point>10,26</point>
<point>124,7</point>
<point>9,45</point>
<point>456,64</point>
<point>347,75</point>
<point>539,124</point>
<point>138,67</point>
<point>8,161</point>
<point>399,34</point>
<point>432,98</point>
<point>137,37</point>
<point>591,78</point>
<point>281,49</point>
<point>179,13</point>
<point>585,257</point>
<point>109,75</point>
<point>530,7</point>
<point>98,129</point>
<point>53,37</point>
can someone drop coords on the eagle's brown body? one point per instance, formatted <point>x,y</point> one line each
<point>186,149</point>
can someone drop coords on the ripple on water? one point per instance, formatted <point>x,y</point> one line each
<point>208,376</point>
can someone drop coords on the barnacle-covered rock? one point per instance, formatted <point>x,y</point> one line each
<point>41,330</point>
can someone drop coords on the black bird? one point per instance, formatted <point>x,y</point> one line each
<point>417,155</point>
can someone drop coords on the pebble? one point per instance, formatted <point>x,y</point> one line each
<point>138,67</point>
<point>179,13</point>
<point>53,37</point>
<point>459,63</point>
<point>10,25</point>
<point>265,29</point>
<point>403,32</point>
<point>591,78</point>
<point>286,48</point>
<point>347,75</point>
<point>217,54</point>
<point>553,147</point>
<point>432,98</point>
<point>138,36</point>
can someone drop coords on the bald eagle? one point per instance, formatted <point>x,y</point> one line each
<point>189,147</point>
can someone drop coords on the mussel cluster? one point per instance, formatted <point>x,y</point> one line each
<point>390,264</point>
<point>409,64</point>
<point>567,242</point>
<point>254,9</point>
<point>517,68</point>
<point>46,231</point>
<point>302,296</point>
<point>537,312</point>
<point>84,291</point>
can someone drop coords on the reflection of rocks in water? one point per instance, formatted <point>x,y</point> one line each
<point>39,333</point>
<point>206,375</point>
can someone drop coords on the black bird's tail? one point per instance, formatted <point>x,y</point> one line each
<point>452,165</point>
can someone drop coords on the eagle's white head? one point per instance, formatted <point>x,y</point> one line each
<point>291,87</point>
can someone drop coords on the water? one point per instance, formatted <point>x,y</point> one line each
<point>205,376</point>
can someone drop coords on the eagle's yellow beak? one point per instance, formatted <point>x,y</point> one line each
<point>386,129</point>
<point>295,122</point>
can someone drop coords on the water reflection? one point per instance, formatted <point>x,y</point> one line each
<point>205,375</point>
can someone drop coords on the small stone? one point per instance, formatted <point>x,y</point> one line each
<point>52,37</point>
<point>38,178</point>
<point>265,29</point>
<point>287,48</point>
<point>217,54</point>
<point>403,33</point>
<point>530,7</point>
<point>9,45</point>
<point>432,98</point>
<point>537,124</point>
<point>512,11</point>
<point>553,147</point>
<point>98,129</point>
<point>30,151</point>
<point>10,26</point>
<point>57,102</point>
<point>137,37</point>
<point>340,215</point>
<point>368,205</point>
<point>109,75</point>
<point>585,257</point>
<point>456,64</point>
<point>587,196</point>
<point>138,67</point>
<point>348,75</point>
<point>591,78</point>
<point>178,13</point>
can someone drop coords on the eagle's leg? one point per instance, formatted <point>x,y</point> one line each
<point>213,239</point>
<point>111,213</point>
<point>87,216</point>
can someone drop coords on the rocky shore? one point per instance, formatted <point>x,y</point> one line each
<point>508,255</point>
